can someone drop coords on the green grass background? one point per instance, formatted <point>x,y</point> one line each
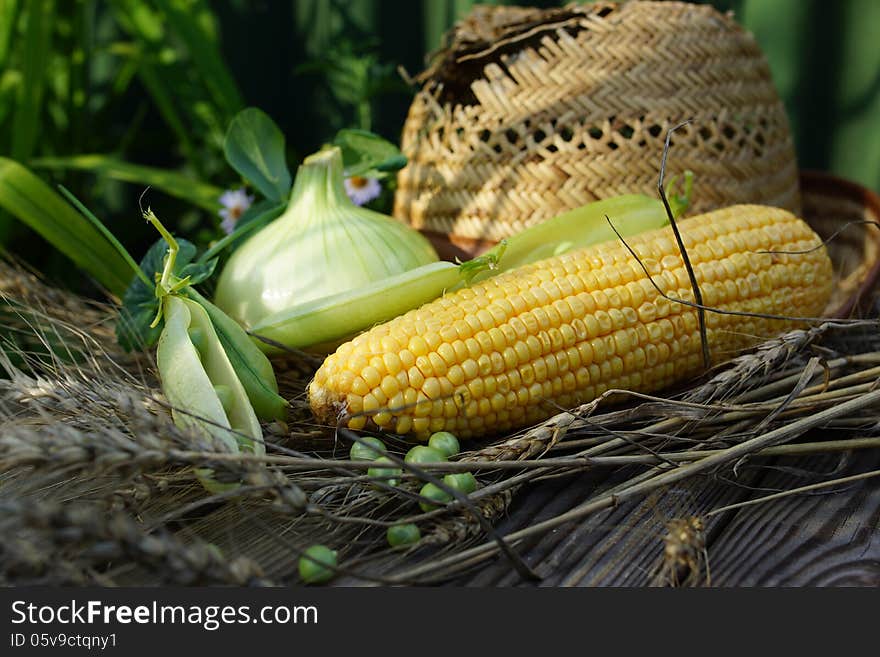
<point>155,83</point>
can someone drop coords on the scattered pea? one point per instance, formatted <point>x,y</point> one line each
<point>399,535</point>
<point>444,442</point>
<point>386,475</point>
<point>435,493</point>
<point>367,449</point>
<point>463,482</point>
<point>424,454</point>
<point>316,565</point>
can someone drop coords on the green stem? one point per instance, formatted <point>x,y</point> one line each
<point>167,271</point>
<point>258,222</point>
<point>489,261</point>
<point>109,236</point>
<point>680,202</point>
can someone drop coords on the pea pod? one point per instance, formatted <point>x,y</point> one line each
<point>190,376</point>
<point>250,364</point>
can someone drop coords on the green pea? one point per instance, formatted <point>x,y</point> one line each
<point>435,493</point>
<point>227,399</point>
<point>424,454</point>
<point>367,449</point>
<point>463,482</point>
<point>444,442</point>
<point>386,475</point>
<point>317,564</point>
<point>399,535</point>
<point>199,339</point>
<point>251,365</point>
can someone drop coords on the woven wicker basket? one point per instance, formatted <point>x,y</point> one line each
<point>846,215</point>
<point>528,113</point>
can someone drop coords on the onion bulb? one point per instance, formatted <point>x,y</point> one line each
<point>322,245</point>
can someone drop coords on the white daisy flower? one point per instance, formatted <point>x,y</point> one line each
<point>234,202</point>
<point>362,190</point>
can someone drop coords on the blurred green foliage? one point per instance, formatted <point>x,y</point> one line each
<point>155,83</point>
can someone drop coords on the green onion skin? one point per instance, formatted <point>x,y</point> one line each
<point>322,245</point>
<point>341,315</point>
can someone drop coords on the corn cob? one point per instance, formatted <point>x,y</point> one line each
<point>511,350</point>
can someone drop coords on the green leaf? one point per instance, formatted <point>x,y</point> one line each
<point>31,82</point>
<point>8,14</point>
<point>140,304</point>
<point>368,155</point>
<point>175,184</point>
<point>36,204</point>
<point>254,147</point>
<point>199,271</point>
<point>37,40</point>
<point>145,26</point>
<point>193,22</point>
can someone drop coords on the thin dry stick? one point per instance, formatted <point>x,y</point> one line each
<point>485,550</point>
<point>796,491</point>
<point>719,311</point>
<point>575,462</point>
<point>698,296</point>
<point>804,379</point>
<point>838,363</point>
<point>826,241</point>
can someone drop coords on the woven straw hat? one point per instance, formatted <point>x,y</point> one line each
<point>527,113</point>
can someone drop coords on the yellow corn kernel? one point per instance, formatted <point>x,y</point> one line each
<point>509,350</point>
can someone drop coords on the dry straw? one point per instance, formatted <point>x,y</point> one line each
<point>527,113</point>
<point>98,485</point>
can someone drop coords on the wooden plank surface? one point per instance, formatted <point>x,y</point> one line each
<point>821,539</point>
<point>807,540</point>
